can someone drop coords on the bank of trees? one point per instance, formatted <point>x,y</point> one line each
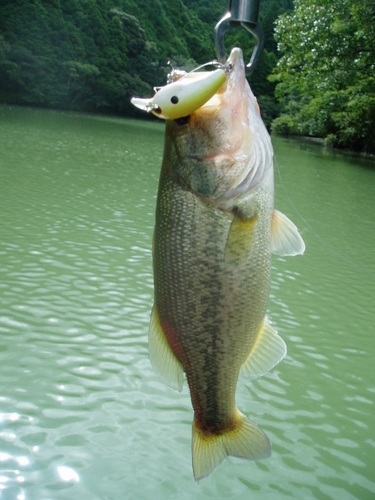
<point>326,75</point>
<point>93,55</point>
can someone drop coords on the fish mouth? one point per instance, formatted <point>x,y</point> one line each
<point>237,116</point>
<point>228,111</point>
<point>231,91</point>
<point>236,79</point>
<point>236,57</point>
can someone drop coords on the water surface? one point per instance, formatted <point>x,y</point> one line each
<point>82,414</point>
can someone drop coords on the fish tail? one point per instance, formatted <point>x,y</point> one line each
<point>244,440</point>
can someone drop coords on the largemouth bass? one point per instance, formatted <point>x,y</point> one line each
<point>215,230</point>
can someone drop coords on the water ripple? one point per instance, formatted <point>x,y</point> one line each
<point>82,414</point>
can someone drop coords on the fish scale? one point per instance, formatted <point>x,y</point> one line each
<point>218,292</point>
<point>215,229</point>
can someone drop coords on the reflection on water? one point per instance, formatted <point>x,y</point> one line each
<point>82,414</point>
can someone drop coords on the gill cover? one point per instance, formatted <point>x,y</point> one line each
<point>184,96</point>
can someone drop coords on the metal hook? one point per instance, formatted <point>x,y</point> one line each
<point>241,13</point>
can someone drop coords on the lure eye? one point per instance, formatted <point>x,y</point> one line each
<point>174,99</point>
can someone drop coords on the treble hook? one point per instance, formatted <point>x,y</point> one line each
<point>241,13</point>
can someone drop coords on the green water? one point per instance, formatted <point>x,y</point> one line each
<point>82,414</point>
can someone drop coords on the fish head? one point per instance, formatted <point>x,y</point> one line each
<point>223,148</point>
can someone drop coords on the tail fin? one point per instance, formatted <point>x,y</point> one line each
<point>245,440</point>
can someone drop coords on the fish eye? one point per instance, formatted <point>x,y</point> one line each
<point>174,99</point>
<point>184,120</point>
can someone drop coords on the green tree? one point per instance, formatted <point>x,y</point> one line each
<point>326,73</point>
<point>94,55</point>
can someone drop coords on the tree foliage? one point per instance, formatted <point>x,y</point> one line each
<point>95,54</point>
<point>326,75</point>
<point>91,54</point>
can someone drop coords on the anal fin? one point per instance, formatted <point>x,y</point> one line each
<point>285,238</point>
<point>268,350</point>
<point>162,358</point>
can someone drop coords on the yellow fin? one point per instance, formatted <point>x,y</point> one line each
<point>245,440</point>
<point>162,358</point>
<point>269,349</point>
<point>240,238</point>
<point>285,238</point>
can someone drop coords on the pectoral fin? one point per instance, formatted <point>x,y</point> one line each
<point>285,238</point>
<point>162,358</point>
<point>269,349</point>
<point>240,238</point>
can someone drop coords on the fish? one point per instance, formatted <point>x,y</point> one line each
<point>215,230</point>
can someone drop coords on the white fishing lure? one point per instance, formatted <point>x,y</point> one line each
<point>184,96</point>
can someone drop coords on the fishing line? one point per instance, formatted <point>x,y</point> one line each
<point>330,248</point>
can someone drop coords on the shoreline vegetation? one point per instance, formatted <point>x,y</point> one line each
<point>315,79</point>
<point>326,74</point>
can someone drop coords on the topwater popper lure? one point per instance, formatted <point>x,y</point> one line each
<point>184,92</point>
